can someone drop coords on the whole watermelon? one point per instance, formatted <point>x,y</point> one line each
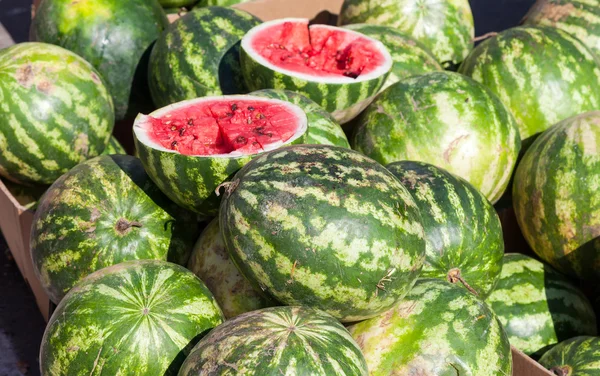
<point>55,112</point>
<point>542,74</point>
<point>139,317</point>
<point>578,356</point>
<point>325,227</point>
<point>462,230</point>
<point>411,58</point>
<point>212,264</point>
<point>437,329</point>
<point>538,307</point>
<point>556,198</point>
<point>445,119</point>
<point>113,35</point>
<point>103,212</point>
<point>114,147</point>
<point>277,341</point>
<point>323,129</point>
<point>198,56</point>
<point>446,27</point>
<point>576,17</point>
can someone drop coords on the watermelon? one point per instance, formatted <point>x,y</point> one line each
<point>114,147</point>
<point>538,307</point>
<point>556,198</point>
<point>113,35</point>
<point>191,147</point>
<point>212,264</point>
<point>139,317</point>
<point>323,129</point>
<point>542,74</point>
<point>438,329</point>
<point>462,230</point>
<point>446,27</point>
<point>55,112</point>
<point>340,69</point>
<point>475,135</point>
<point>578,356</point>
<point>221,3</point>
<point>576,17</point>
<point>277,341</point>
<point>325,227</point>
<point>198,56</point>
<point>411,58</point>
<point>102,212</point>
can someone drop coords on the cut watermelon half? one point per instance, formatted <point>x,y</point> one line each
<point>191,147</point>
<point>340,69</point>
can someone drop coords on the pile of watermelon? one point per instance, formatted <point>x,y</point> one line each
<point>308,199</point>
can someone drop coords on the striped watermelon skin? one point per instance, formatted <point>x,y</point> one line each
<point>221,3</point>
<point>438,329</point>
<point>55,112</point>
<point>198,56</point>
<point>277,341</point>
<point>462,230</point>
<point>136,318</point>
<point>580,18</point>
<point>212,264</point>
<point>542,74</point>
<point>324,227</point>
<point>411,58</point>
<point>538,307</point>
<point>114,147</point>
<point>555,196</point>
<point>103,212</point>
<point>579,356</point>
<point>168,4</point>
<point>113,35</point>
<point>478,136</point>
<point>323,129</point>
<point>445,27</point>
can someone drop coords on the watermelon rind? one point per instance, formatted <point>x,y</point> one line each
<point>135,318</point>
<point>277,341</point>
<point>573,357</point>
<point>343,97</point>
<point>56,112</point>
<point>191,180</point>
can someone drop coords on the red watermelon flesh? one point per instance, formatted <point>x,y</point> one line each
<point>221,126</point>
<point>318,50</point>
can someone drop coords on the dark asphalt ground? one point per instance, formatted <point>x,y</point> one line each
<point>21,324</point>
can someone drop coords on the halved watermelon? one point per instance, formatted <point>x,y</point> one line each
<point>191,147</point>
<point>340,69</point>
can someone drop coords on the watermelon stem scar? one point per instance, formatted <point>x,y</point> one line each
<point>455,276</point>
<point>124,226</point>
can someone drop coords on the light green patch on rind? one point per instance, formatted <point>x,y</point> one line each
<point>277,341</point>
<point>476,136</point>
<point>580,356</point>
<point>462,228</point>
<point>556,196</point>
<point>103,212</point>
<point>437,329</point>
<point>446,28</point>
<point>55,112</point>
<point>137,317</point>
<point>410,57</point>
<point>211,263</point>
<point>326,227</point>
<point>542,74</point>
<point>198,55</point>
<point>538,307</point>
<point>114,147</point>
<point>323,129</point>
